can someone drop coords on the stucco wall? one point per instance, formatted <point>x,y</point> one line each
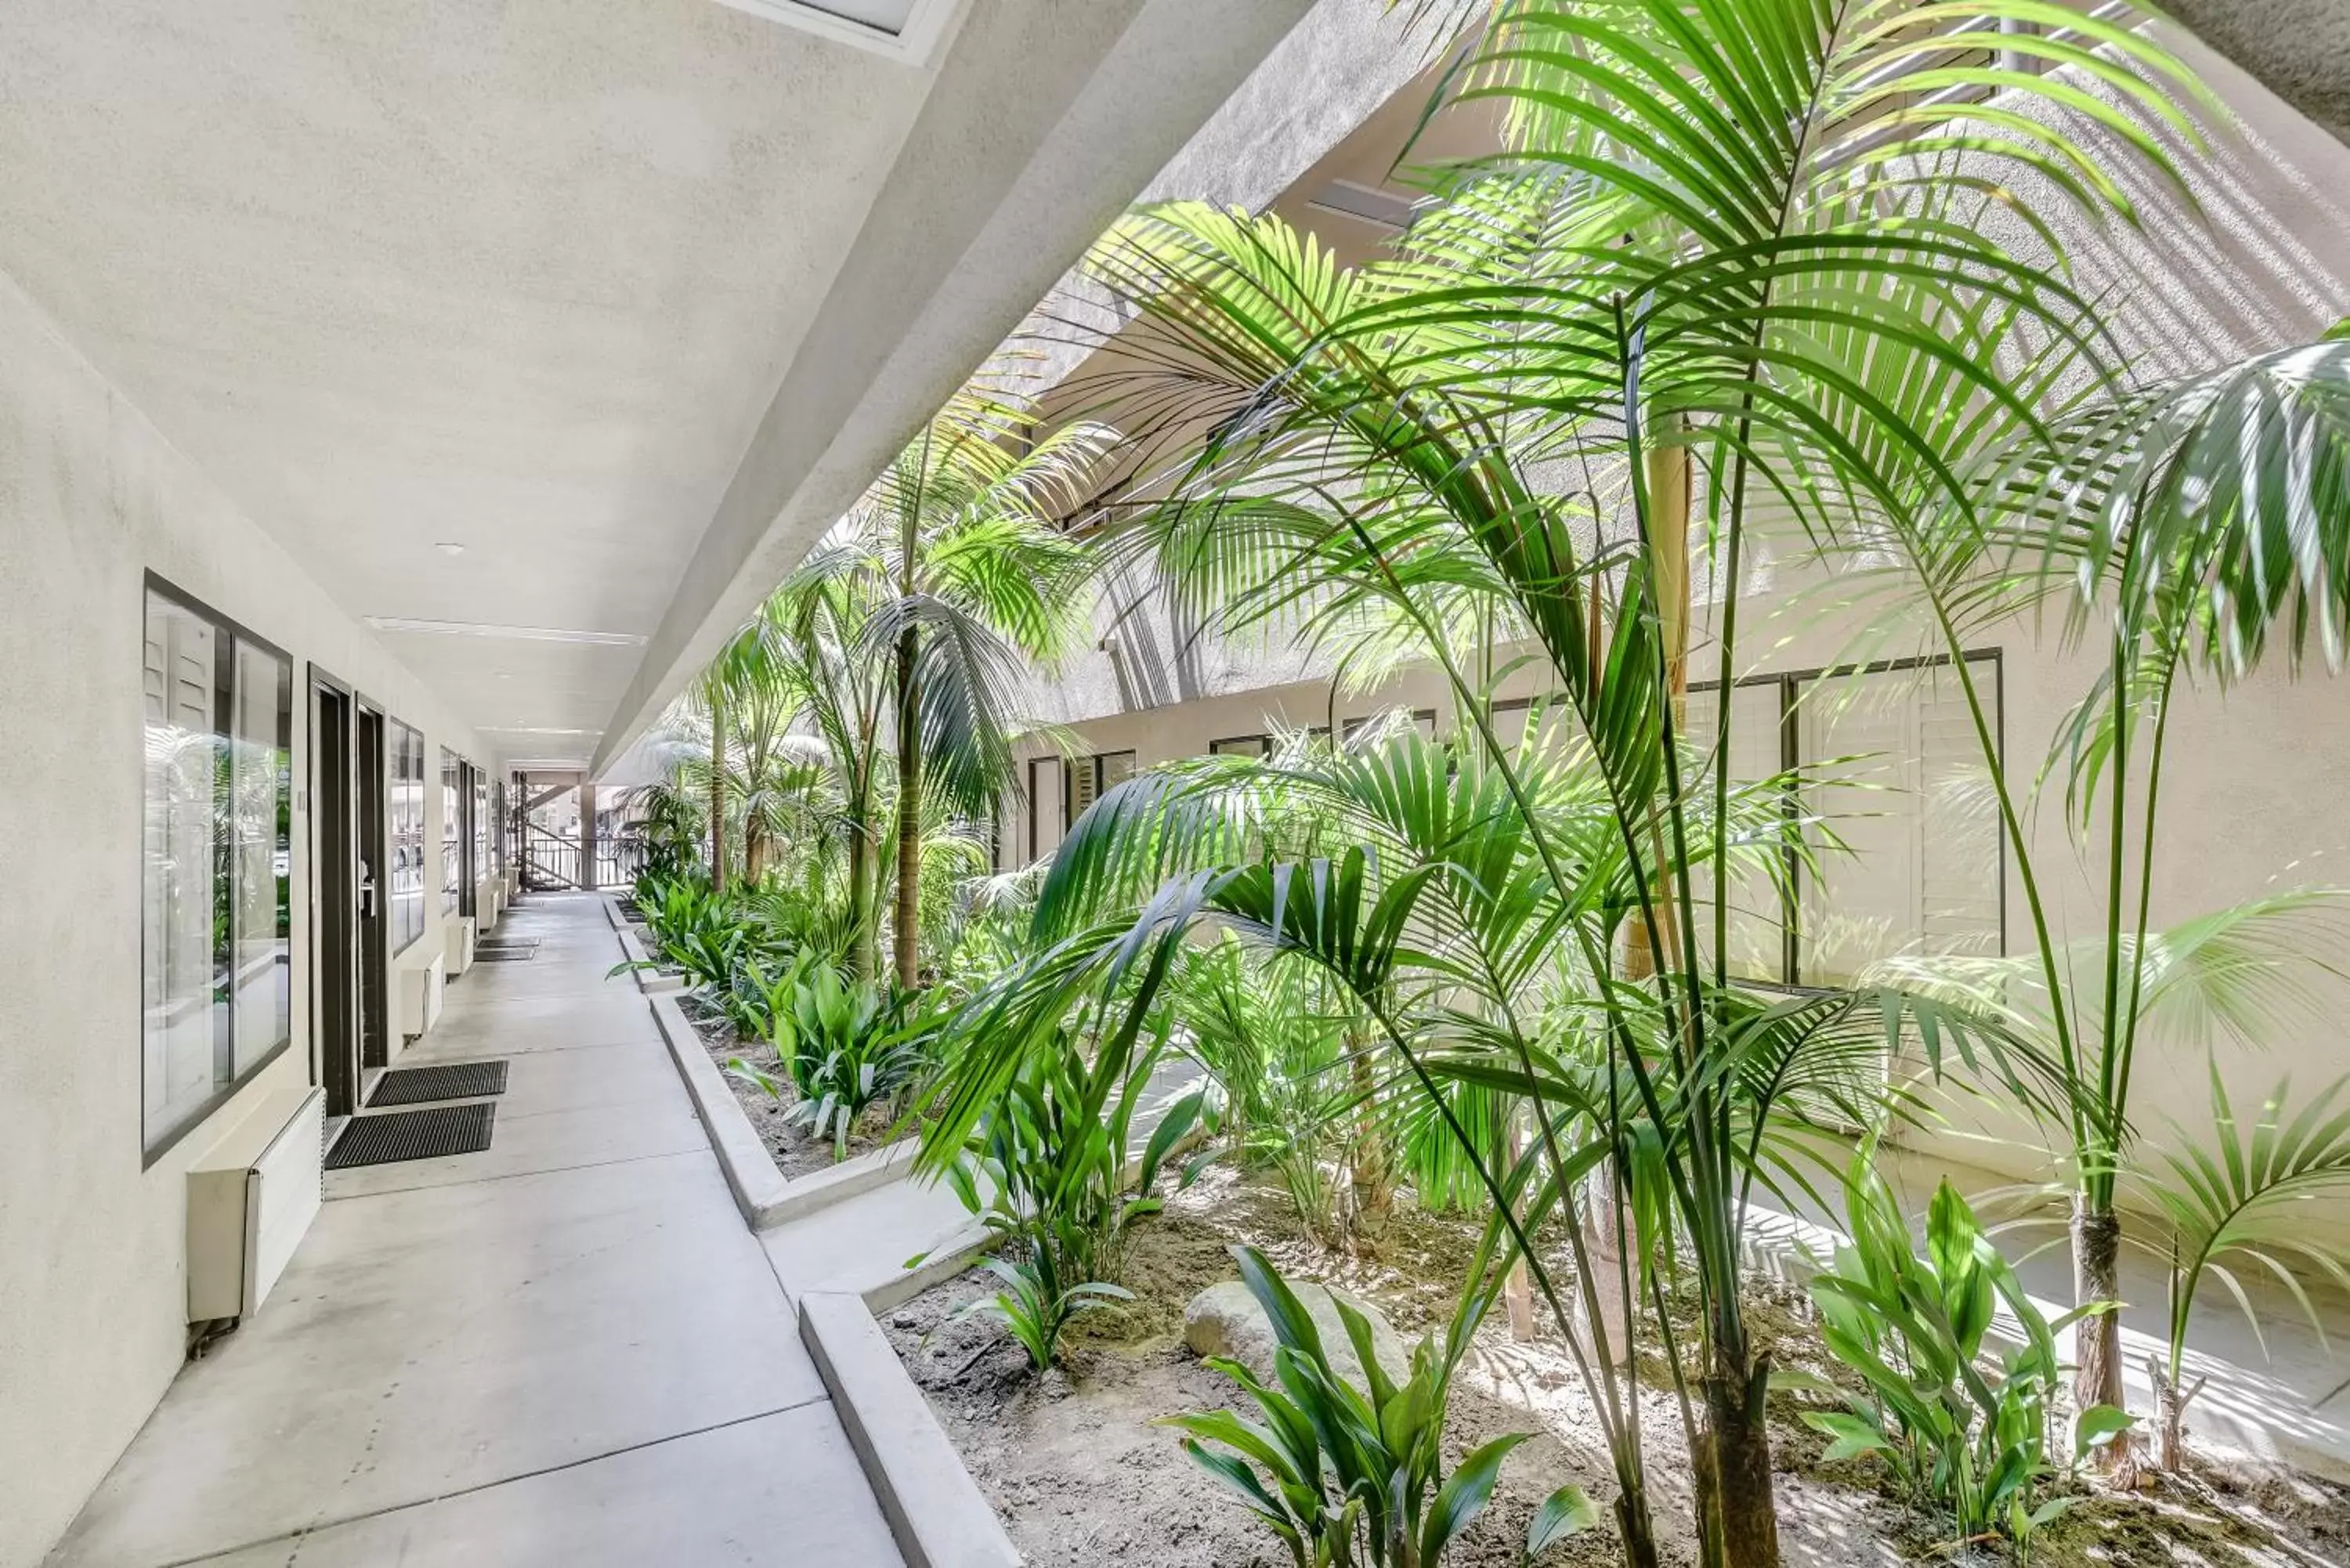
<point>92,1268</point>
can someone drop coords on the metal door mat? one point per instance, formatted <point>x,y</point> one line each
<point>458,1081</point>
<point>505,955</point>
<point>414,1135</point>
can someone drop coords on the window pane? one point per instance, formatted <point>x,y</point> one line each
<point>1758,921</point>
<point>260,850</point>
<point>1046,802</point>
<point>407,832</point>
<point>1904,787</point>
<point>215,965</point>
<point>186,1028</point>
<point>451,847</point>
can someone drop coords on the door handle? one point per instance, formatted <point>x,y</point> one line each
<point>367,896</point>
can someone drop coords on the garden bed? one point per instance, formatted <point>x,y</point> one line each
<point>794,1152</point>
<point>1080,1476</point>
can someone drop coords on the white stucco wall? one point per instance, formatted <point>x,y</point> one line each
<point>92,1284</point>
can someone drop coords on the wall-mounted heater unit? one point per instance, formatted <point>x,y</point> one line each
<point>251,1198</point>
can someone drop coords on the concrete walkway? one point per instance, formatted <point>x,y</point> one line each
<point>566,1350</point>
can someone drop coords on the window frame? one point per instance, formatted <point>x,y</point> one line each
<point>1790,682</point>
<point>395,750</point>
<point>225,655</point>
<point>1263,744</point>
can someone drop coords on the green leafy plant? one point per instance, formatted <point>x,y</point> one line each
<point>1035,1307</point>
<point>1348,1476</point>
<point>1051,1168</point>
<point>843,1046</point>
<point>1970,1440</point>
<point>2241,1199</point>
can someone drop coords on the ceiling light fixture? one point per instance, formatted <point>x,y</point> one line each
<point>532,730</point>
<point>450,547</point>
<point>525,633</point>
<point>907,30</point>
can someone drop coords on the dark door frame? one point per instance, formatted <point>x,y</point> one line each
<point>373,780</point>
<point>335,1029</point>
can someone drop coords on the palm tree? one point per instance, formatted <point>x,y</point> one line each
<point>956,573</point>
<point>1715,230</point>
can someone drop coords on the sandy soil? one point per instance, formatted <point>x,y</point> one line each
<point>1081,1477</point>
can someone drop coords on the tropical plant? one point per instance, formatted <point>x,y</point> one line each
<point>2240,1197</point>
<point>1050,1168</point>
<point>1967,1440</point>
<point>844,1046</point>
<point>1035,1307</point>
<point>1273,1036</point>
<point>1349,1476</point>
<point>1742,253</point>
<point>954,573</point>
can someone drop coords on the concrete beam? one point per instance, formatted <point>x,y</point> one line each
<point>996,192</point>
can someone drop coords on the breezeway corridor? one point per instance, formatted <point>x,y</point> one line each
<point>566,1350</point>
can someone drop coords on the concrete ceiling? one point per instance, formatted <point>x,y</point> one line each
<point>589,288</point>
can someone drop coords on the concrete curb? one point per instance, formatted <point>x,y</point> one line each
<point>934,1508</point>
<point>950,1257</point>
<point>652,982</point>
<point>803,1196</point>
<point>612,912</point>
<point>765,1198</point>
<point>751,1173</point>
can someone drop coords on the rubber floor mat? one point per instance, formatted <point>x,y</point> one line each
<point>457,1081</point>
<point>414,1135</point>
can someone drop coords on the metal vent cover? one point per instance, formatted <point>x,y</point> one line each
<point>456,1081</point>
<point>399,1135</point>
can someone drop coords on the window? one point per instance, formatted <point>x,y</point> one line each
<point>1897,807</point>
<point>1048,806</point>
<point>215,956</point>
<point>498,827</point>
<point>480,868</point>
<point>453,830</point>
<point>1242,746</point>
<point>1059,792</point>
<point>407,832</point>
<point>1095,776</point>
<point>1424,718</point>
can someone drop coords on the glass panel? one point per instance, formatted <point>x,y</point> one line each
<point>1758,915</point>
<point>481,820</point>
<point>407,831</point>
<point>1906,792</point>
<point>453,852</point>
<point>1242,746</point>
<point>1046,804</point>
<point>216,966</point>
<point>261,779</point>
<point>186,1028</point>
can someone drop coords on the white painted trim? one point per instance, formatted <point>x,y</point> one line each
<point>914,44</point>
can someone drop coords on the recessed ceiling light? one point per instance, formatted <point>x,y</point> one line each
<point>450,547</point>
<point>527,633</point>
<point>908,30</point>
<point>533,730</point>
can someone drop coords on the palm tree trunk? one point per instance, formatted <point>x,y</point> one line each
<point>1371,1178</point>
<point>909,813</point>
<point>717,787</point>
<point>2097,1338</point>
<point>1737,1461</point>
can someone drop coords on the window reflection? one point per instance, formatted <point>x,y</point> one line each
<point>215,957</point>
